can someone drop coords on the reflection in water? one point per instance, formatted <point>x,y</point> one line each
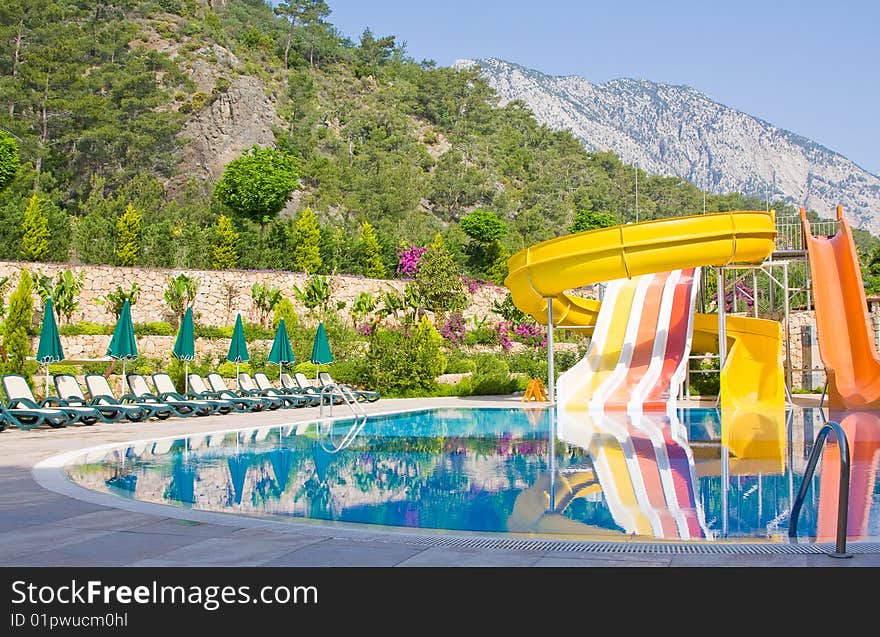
<point>862,430</point>
<point>691,474</point>
<point>645,468</point>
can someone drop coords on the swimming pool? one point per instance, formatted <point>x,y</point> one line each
<point>695,474</point>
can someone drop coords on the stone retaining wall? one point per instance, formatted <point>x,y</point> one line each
<point>221,293</point>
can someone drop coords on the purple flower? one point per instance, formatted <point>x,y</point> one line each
<point>454,330</point>
<point>408,260</point>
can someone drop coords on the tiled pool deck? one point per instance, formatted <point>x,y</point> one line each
<point>47,521</point>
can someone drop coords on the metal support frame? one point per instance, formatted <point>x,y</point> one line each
<point>551,367</point>
<point>767,268</point>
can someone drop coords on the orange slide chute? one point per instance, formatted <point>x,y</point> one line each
<point>843,325</point>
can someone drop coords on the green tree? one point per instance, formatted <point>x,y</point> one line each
<point>307,242</point>
<point>225,255</point>
<point>486,253</point>
<point>128,236</point>
<point>9,160</point>
<point>258,184</point>
<point>585,220</point>
<point>371,253</point>
<point>35,231</point>
<point>16,340</point>
<point>438,281</point>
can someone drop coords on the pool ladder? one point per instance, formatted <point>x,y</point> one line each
<point>329,395</point>
<point>843,492</point>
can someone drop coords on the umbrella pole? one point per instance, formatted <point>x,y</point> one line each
<point>185,378</point>
<point>237,381</point>
<point>47,381</point>
<point>123,376</point>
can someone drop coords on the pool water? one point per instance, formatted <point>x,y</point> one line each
<point>695,474</point>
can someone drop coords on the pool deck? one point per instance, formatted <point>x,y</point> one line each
<point>47,521</point>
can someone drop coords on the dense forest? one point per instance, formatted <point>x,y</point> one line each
<point>374,152</point>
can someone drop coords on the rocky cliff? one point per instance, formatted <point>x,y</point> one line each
<point>678,131</point>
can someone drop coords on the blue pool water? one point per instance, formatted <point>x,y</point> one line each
<point>694,475</point>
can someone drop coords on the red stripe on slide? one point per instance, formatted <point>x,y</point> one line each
<point>676,342</point>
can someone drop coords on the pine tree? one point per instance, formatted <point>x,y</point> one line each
<point>307,242</point>
<point>16,341</point>
<point>35,231</point>
<point>128,236</point>
<point>371,253</point>
<point>438,281</point>
<point>225,239</point>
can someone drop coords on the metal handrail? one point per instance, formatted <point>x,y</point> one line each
<point>360,415</point>
<point>843,492</point>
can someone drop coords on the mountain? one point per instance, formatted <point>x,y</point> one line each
<point>679,131</point>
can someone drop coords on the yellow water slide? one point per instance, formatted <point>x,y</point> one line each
<point>752,377</point>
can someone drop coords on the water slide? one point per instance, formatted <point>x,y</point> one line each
<point>543,274</point>
<point>638,355</point>
<point>843,325</point>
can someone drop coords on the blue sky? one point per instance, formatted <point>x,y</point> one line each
<point>809,67</point>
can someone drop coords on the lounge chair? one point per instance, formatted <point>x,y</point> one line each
<point>166,390</point>
<point>101,393</point>
<point>19,394</point>
<point>249,385</point>
<point>198,388</point>
<point>30,418</point>
<point>307,388</point>
<point>265,384</point>
<point>217,384</point>
<point>185,408</point>
<point>68,389</point>
<point>362,395</point>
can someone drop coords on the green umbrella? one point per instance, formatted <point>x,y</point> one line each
<point>281,351</point>
<point>123,346</point>
<point>49,350</point>
<point>185,346</point>
<point>321,347</point>
<point>238,347</point>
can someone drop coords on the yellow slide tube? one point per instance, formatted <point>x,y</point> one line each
<point>752,376</point>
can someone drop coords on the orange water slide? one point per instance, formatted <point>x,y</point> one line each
<point>843,325</point>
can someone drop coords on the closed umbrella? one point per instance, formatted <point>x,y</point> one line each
<point>281,351</point>
<point>238,348</point>
<point>49,349</point>
<point>321,353</point>
<point>185,346</point>
<point>123,346</point>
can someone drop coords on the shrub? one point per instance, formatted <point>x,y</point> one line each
<point>154,328</point>
<point>84,327</point>
<point>705,383</point>
<point>491,377</point>
<point>307,368</point>
<point>16,327</point>
<point>404,359</point>
<point>460,365</point>
<point>285,310</point>
<point>61,368</point>
<point>227,369</point>
<point>481,336</point>
<point>531,362</point>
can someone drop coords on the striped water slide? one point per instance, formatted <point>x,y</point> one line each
<point>637,359</point>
